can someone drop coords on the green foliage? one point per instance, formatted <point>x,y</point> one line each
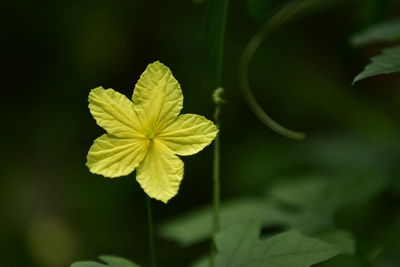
<point>299,76</point>
<point>196,226</point>
<point>317,193</point>
<point>308,204</point>
<point>110,261</point>
<point>240,245</point>
<point>385,63</point>
<point>386,31</point>
<point>342,238</point>
<point>389,60</point>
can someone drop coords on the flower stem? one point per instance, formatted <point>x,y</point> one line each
<point>151,232</point>
<point>216,171</point>
<point>218,100</point>
<point>216,182</point>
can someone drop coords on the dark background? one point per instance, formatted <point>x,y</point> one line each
<point>54,212</point>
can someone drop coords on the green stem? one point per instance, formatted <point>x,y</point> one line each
<point>221,11</point>
<point>151,233</point>
<point>217,97</point>
<point>217,24</point>
<point>216,185</point>
<point>219,50</point>
<point>216,172</point>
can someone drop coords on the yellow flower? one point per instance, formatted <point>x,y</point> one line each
<point>147,133</point>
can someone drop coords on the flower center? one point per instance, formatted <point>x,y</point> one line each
<point>149,134</point>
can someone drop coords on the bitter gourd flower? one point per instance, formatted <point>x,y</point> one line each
<point>147,133</point>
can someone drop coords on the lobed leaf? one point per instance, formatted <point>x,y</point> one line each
<point>240,245</point>
<point>387,62</point>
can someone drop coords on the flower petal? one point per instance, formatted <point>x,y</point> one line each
<point>189,134</point>
<point>115,113</point>
<point>160,173</point>
<point>157,96</point>
<point>114,157</point>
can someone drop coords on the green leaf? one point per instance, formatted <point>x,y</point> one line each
<point>117,261</point>
<point>355,188</point>
<point>303,193</point>
<point>387,62</point>
<point>308,204</point>
<point>196,226</point>
<point>385,31</point>
<point>240,246</point>
<point>314,202</point>
<point>111,261</point>
<point>342,238</point>
<point>319,193</point>
<point>317,199</point>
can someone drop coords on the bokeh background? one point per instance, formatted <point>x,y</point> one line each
<point>54,212</point>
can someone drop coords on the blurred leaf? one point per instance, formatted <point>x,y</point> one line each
<point>385,31</point>
<point>240,245</point>
<point>302,193</point>
<point>117,261</point>
<point>196,226</point>
<point>111,261</point>
<point>341,238</point>
<point>319,193</point>
<point>317,200</point>
<point>387,62</point>
<point>355,188</point>
<point>312,203</point>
